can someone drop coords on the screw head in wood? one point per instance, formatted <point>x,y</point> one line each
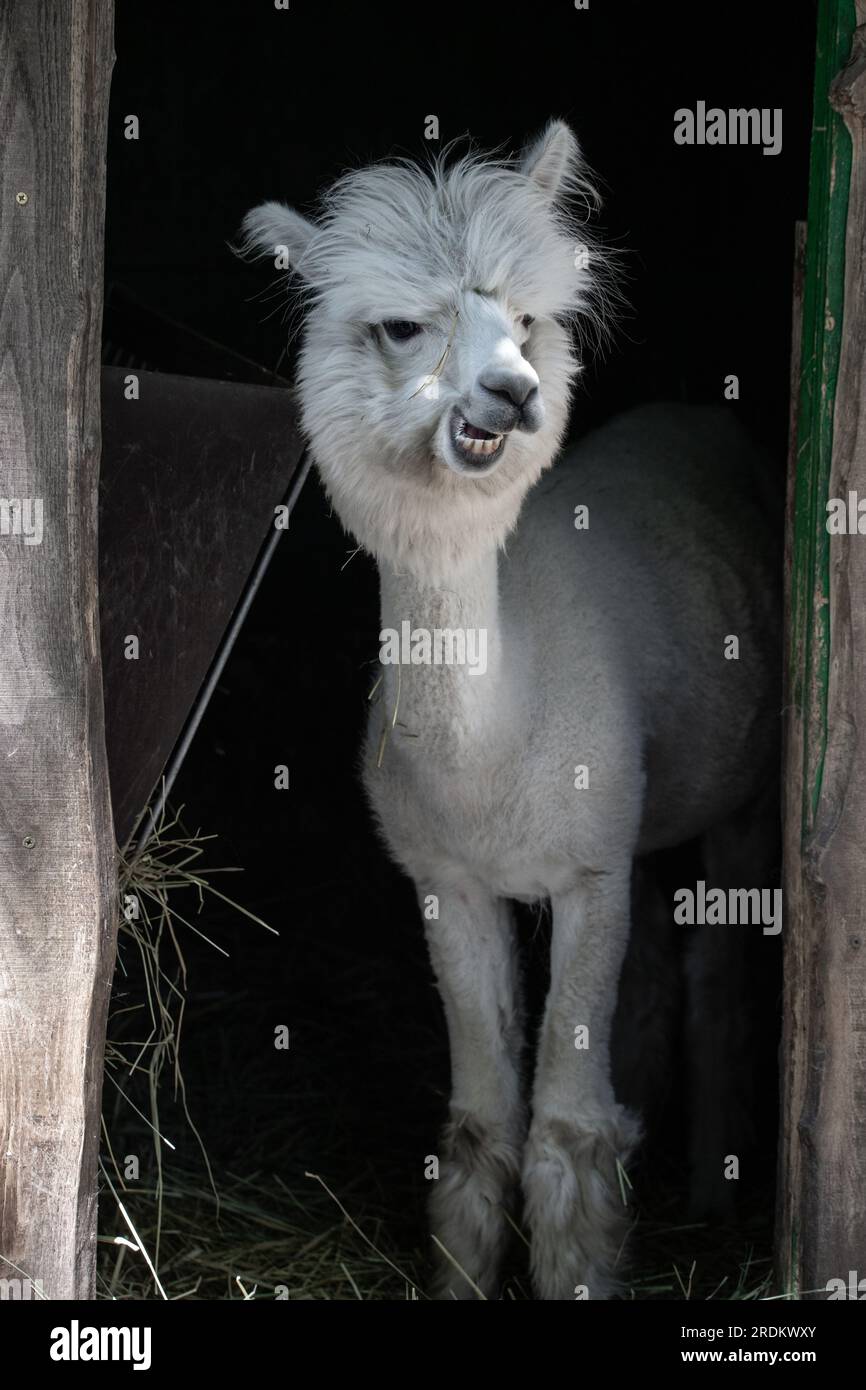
<point>29,841</point>
<point>21,199</point>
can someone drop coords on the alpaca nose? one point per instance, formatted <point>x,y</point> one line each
<point>516,387</point>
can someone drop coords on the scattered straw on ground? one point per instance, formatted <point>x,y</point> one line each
<point>289,1210</point>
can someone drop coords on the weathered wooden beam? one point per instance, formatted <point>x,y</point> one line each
<point>56,844</point>
<point>822,1213</point>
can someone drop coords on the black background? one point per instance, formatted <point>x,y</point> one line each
<point>239,102</point>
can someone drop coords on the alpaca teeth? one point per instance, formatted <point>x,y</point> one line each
<point>480,446</point>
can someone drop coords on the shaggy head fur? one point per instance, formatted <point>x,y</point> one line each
<point>437,359</point>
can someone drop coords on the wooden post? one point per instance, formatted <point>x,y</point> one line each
<point>57,878</point>
<point>822,1213</point>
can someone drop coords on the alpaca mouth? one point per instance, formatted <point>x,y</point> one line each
<point>473,445</point>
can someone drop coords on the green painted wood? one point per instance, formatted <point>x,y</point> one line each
<point>821,1219</point>
<point>829,176</point>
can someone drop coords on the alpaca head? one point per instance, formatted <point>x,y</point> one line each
<point>436,364</point>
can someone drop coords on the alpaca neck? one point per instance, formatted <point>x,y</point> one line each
<point>443,706</point>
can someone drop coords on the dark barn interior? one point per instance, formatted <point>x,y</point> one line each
<point>238,103</point>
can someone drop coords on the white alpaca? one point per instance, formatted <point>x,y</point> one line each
<point>434,381</point>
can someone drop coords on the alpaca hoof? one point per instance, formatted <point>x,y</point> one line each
<point>468,1211</point>
<point>452,1286</point>
<point>575,1207</point>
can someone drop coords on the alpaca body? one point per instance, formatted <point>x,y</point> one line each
<point>434,381</point>
<point>606,649</point>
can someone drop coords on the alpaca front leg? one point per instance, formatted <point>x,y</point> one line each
<point>575,1205</point>
<point>473,952</point>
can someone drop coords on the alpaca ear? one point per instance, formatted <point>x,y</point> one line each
<point>270,227</point>
<point>552,160</point>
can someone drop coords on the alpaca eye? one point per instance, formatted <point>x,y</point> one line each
<point>528,320</point>
<point>401,329</point>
